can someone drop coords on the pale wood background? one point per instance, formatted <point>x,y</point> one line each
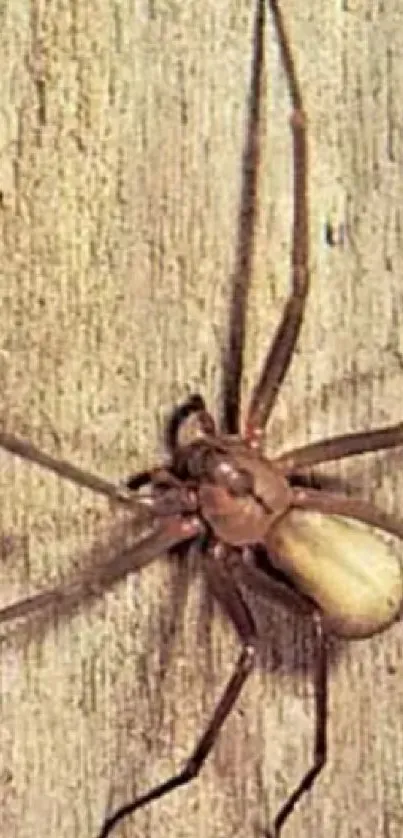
<point>121,131</point>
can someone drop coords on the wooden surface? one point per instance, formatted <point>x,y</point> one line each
<point>121,133</point>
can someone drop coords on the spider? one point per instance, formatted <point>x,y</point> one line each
<point>252,519</point>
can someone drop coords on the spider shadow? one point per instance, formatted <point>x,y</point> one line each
<point>285,645</point>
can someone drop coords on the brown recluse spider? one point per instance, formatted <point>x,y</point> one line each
<point>219,492</point>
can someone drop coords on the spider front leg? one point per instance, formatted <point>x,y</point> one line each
<point>27,451</point>
<point>281,351</point>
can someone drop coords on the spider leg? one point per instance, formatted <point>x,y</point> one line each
<point>158,477</point>
<point>226,591</point>
<point>320,745</point>
<point>27,451</point>
<point>280,353</point>
<point>140,548</point>
<point>332,503</point>
<point>245,238</point>
<point>338,447</point>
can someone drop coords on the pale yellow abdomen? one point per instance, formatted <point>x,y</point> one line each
<point>346,567</point>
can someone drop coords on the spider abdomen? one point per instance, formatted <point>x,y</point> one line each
<point>346,567</point>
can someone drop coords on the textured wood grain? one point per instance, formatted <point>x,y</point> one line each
<point>121,133</point>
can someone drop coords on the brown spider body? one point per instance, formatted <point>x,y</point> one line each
<point>344,569</point>
<point>239,491</point>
